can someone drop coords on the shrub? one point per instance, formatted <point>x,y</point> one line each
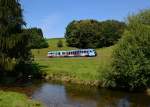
<point>131,58</point>
<point>60,43</point>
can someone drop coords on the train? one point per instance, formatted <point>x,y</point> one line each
<point>73,53</point>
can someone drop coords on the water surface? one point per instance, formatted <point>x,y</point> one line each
<point>59,95</point>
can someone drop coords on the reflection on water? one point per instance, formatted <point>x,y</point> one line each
<point>57,95</point>
<point>53,95</point>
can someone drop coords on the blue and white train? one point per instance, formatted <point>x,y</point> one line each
<point>73,53</point>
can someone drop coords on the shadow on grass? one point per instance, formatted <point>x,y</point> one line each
<point>23,73</point>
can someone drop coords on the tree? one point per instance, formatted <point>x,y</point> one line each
<point>37,40</point>
<point>60,44</point>
<point>111,32</point>
<point>94,34</point>
<point>83,33</point>
<point>131,57</point>
<point>13,40</point>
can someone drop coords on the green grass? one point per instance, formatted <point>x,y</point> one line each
<point>12,99</point>
<point>81,68</point>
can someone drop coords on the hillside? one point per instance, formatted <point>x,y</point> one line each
<point>81,69</point>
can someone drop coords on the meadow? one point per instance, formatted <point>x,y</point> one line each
<point>73,69</point>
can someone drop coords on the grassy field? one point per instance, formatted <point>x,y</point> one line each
<point>12,99</point>
<point>81,68</point>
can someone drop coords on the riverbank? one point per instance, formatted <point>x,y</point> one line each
<point>80,70</point>
<point>13,99</point>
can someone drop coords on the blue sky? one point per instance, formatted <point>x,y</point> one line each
<point>54,15</point>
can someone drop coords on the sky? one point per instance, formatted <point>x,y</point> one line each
<point>53,16</point>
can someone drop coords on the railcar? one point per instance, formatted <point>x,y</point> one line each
<point>73,53</point>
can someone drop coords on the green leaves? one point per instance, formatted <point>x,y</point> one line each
<point>36,40</point>
<point>82,34</point>
<point>131,57</point>
<point>93,34</point>
<point>60,43</point>
<point>13,41</point>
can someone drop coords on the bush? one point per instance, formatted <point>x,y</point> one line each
<point>22,73</point>
<point>131,58</point>
<point>60,43</point>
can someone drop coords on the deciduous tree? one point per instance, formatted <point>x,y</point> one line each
<point>13,40</point>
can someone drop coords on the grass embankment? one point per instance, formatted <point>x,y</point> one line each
<point>12,99</point>
<point>84,70</point>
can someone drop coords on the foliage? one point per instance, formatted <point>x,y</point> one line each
<point>82,34</point>
<point>14,47</point>
<point>60,44</point>
<point>26,72</point>
<point>111,32</point>
<point>37,40</point>
<point>13,99</point>
<point>131,58</point>
<point>93,34</point>
<point>22,73</point>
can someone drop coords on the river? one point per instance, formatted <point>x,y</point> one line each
<point>69,95</point>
